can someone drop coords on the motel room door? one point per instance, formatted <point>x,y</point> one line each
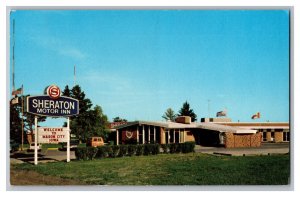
<point>177,133</point>
<point>167,137</point>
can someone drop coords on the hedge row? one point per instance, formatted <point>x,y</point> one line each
<point>90,153</point>
<point>186,147</point>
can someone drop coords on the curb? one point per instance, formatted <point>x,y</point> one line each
<point>226,154</point>
<point>52,148</point>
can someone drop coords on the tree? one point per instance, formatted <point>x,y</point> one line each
<point>169,115</point>
<point>67,91</point>
<point>16,120</point>
<point>186,111</point>
<point>118,119</point>
<point>89,122</point>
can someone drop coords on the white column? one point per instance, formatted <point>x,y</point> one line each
<point>148,133</point>
<point>143,134</point>
<point>35,142</point>
<point>154,135</point>
<point>167,132</point>
<point>173,135</point>
<point>68,142</point>
<point>184,135</point>
<point>137,134</point>
<point>117,137</point>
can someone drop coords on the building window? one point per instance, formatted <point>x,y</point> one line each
<point>286,136</point>
<point>264,136</point>
<point>272,136</point>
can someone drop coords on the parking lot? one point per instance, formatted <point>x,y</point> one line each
<point>264,149</point>
<point>48,155</point>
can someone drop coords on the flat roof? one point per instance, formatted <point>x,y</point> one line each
<point>258,125</point>
<point>193,125</point>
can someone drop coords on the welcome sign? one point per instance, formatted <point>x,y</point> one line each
<point>52,135</point>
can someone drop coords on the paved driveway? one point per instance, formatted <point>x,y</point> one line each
<point>43,156</point>
<point>265,149</point>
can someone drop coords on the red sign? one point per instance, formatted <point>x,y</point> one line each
<point>115,124</point>
<point>53,91</point>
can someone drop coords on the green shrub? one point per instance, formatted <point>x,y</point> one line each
<point>115,151</point>
<point>132,149</point>
<point>173,148</point>
<point>156,149</point>
<point>139,149</point>
<point>151,149</point>
<point>188,147</point>
<point>103,152</point>
<point>147,149</point>
<point>81,153</point>
<point>91,152</point>
<point>165,148</point>
<point>123,150</point>
<point>86,153</point>
<point>178,148</point>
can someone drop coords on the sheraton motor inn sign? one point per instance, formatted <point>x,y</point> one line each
<point>52,104</point>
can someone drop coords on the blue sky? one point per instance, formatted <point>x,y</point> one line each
<point>136,64</point>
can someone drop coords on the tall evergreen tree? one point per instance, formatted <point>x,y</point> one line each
<point>89,122</point>
<point>169,115</point>
<point>67,91</point>
<point>186,111</point>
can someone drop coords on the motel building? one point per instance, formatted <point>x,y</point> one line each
<point>207,132</point>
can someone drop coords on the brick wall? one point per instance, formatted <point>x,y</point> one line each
<point>256,139</point>
<point>242,140</point>
<point>162,136</point>
<point>229,140</point>
<point>189,137</point>
<point>278,136</point>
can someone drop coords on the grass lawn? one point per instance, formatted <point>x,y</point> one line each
<point>171,169</point>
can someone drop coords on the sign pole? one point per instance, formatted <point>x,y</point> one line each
<point>22,100</point>
<point>35,142</point>
<point>68,142</point>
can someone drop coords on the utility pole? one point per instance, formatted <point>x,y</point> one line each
<point>13,57</point>
<point>74,75</point>
<point>22,100</point>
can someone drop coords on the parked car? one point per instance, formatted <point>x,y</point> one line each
<point>73,144</point>
<point>95,141</point>
<point>32,146</point>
